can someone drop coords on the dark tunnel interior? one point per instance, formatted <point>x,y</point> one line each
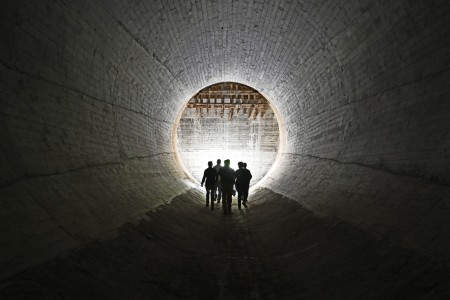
<point>94,202</point>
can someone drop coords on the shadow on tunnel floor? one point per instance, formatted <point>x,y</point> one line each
<point>275,249</point>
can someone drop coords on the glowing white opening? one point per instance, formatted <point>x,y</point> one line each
<point>211,134</point>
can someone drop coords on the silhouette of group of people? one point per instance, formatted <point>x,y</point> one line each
<point>220,183</point>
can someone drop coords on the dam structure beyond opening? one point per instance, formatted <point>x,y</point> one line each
<point>228,121</point>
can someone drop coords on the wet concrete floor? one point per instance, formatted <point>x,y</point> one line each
<point>275,249</point>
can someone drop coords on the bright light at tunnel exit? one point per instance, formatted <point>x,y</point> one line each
<point>251,158</point>
<point>259,160</point>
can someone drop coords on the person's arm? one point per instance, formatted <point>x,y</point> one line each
<point>203,179</point>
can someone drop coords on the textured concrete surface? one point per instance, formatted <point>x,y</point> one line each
<point>275,249</point>
<point>90,92</point>
<point>210,137</point>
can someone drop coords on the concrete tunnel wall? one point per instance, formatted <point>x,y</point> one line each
<point>91,91</point>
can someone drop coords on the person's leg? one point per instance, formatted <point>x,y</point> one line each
<point>239,200</point>
<point>245,196</point>
<point>207,197</point>
<point>219,193</point>
<point>212,198</point>
<point>227,191</point>
<point>224,202</point>
<point>239,191</point>
<point>230,198</point>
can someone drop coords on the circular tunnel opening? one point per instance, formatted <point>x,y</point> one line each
<point>228,120</point>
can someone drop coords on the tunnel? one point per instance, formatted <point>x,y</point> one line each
<point>95,203</point>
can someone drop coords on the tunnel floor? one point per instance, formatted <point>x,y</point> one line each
<point>275,249</point>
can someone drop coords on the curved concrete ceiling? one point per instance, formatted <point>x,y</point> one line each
<point>91,91</point>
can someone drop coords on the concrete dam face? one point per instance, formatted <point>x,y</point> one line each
<point>353,154</point>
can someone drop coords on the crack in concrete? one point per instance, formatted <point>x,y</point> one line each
<point>138,41</point>
<point>14,68</point>
<point>145,48</point>
<point>380,168</point>
<point>72,170</point>
<point>402,85</point>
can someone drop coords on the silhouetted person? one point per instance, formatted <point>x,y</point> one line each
<point>249,177</point>
<point>210,175</point>
<point>218,190</point>
<point>243,177</point>
<point>227,182</point>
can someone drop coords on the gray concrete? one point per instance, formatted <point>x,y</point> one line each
<point>90,92</point>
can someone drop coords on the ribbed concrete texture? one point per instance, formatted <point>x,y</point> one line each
<point>210,137</point>
<point>90,95</point>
